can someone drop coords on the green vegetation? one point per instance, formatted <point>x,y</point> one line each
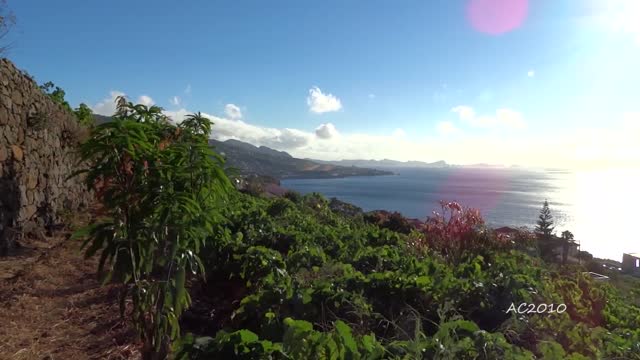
<point>566,240</point>
<point>544,230</point>
<point>161,187</point>
<point>438,294</point>
<point>544,225</point>
<point>83,113</point>
<point>300,277</point>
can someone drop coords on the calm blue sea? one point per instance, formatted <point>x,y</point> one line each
<point>587,203</point>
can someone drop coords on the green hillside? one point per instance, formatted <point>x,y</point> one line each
<point>300,277</point>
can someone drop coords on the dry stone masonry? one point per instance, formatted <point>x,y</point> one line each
<point>38,139</point>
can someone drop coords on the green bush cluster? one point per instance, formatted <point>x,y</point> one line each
<point>83,113</point>
<point>358,290</point>
<point>302,277</point>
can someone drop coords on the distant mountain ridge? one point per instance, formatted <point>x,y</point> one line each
<point>252,160</point>
<point>261,149</point>
<point>262,160</point>
<point>248,159</point>
<point>386,163</point>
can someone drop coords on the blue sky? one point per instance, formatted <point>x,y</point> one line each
<point>335,79</point>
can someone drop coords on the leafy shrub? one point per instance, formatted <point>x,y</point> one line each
<point>293,196</point>
<point>161,187</point>
<point>242,344</point>
<point>415,294</point>
<point>392,221</point>
<point>83,113</point>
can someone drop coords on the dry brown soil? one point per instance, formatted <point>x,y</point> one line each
<point>53,307</point>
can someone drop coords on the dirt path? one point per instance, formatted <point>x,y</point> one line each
<point>52,307</point>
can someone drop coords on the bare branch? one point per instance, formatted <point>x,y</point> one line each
<point>7,21</point>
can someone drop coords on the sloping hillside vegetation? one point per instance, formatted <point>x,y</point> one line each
<point>212,273</point>
<point>289,278</point>
<point>249,160</point>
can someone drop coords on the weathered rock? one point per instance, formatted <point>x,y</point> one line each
<point>23,194</point>
<point>16,97</point>
<point>20,134</point>
<point>7,103</point>
<point>32,180</point>
<point>4,116</point>
<point>30,197</point>
<point>27,212</point>
<point>34,161</point>
<point>18,154</point>
<point>10,135</point>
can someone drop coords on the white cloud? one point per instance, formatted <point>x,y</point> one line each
<point>178,115</point>
<point>398,133</point>
<point>145,100</point>
<point>510,118</point>
<point>225,129</point>
<point>611,146</point>
<point>464,112</point>
<point>503,117</point>
<point>175,101</point>
<point>319,102</point>
<point>107,106</point>
<point>232,112</point>
<point>531,73</point>
<point>446,128</point>
<point>615,145</point>
<point>326,131</point>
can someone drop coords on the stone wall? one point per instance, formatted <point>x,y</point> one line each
<point>37,142</point>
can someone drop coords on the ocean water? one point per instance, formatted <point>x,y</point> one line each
<point>599,207</point>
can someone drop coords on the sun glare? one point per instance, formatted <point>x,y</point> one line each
<point>604,206</point>
<point>617,16</point>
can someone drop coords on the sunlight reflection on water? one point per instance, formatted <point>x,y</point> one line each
<point>598,207</point>
<point>602,208</point>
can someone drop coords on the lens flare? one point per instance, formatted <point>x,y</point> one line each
<point>456,187</point>
<point>497,17</point>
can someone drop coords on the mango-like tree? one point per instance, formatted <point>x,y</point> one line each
<point>160,187</point>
